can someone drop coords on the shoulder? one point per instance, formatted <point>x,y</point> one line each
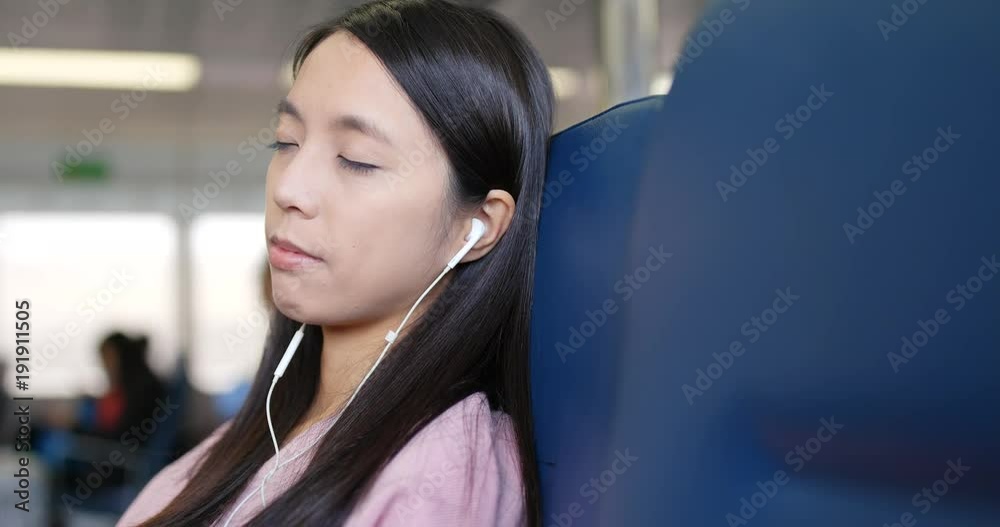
<point>167,483</point>
<point>462,468</point>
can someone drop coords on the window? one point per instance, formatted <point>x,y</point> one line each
<point>228,257</point>
<point>86,275</point>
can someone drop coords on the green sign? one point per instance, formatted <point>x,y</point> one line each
<point>89,170</point>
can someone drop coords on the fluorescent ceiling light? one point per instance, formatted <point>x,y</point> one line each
<point>99,69</point>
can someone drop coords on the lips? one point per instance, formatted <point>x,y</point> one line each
<point>287,256</point>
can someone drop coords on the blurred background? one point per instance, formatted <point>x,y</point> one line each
<point>763,137</point>
<point>132,166</point>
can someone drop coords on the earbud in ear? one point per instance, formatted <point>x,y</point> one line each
<point>477,232</point>
<point>478,229</point>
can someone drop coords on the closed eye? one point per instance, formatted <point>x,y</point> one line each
<point>281,146</point>
<point>355,166</point>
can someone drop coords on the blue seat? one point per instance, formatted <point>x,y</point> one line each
<point>721,337</point>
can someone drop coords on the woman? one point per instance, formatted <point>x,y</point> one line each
<point>134,392</point>
<point>134,388</point>
<point>407,120</point>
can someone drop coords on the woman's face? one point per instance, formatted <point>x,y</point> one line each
<point>358,182</point>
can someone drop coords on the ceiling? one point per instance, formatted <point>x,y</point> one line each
<point>177,138</point>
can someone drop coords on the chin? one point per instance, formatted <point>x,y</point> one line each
<point>300,309</point>
<point>292,312</point>
<point>289,304</point>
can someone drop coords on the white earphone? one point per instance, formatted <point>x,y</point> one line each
<point>477,231</point>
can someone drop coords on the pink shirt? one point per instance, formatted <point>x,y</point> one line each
<point>423,485</point>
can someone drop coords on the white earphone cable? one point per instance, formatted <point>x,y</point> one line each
<point>283,463</point>
<point>274,438</point>
<point>390,337</point>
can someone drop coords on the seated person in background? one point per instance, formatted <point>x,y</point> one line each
<point>131,398</point>
<point>133,391</point>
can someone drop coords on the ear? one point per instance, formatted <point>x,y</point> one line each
<point>496,212</point>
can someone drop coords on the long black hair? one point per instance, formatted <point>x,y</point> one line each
<point>486,95</point>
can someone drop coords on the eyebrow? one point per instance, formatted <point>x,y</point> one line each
<point>344,122</point>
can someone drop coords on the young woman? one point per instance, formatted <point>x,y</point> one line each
<point>407,121</point>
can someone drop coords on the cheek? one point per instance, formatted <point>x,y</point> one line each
<point>384,251</point>
<point>270,175</point>
<point>270,206</point>
<point>415,255</point>
<point>388,267</point>
<point>362,281</point>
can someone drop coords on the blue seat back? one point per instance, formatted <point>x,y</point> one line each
<point>670,390</point>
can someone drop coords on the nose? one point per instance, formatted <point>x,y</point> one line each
<point>295,191</point>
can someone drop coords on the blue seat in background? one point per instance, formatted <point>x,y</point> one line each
<point>721,337</point>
